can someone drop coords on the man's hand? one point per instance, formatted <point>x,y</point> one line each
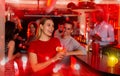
<point>96,37</point>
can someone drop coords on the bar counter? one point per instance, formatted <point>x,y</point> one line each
<point>99,63</point>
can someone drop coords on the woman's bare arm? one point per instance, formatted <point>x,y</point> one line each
<point>39,66</point>
<point>11,48</point>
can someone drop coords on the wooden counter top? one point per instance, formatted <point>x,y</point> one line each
<point>100,63</point>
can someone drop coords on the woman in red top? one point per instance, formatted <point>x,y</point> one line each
<point>42,52</point>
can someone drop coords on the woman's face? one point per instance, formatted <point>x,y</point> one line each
<point>48,27</point>
<point>32,29</point>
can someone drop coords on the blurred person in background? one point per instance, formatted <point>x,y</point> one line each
<point>18,27</point>
<point>76,28</point>
<point>18,33</point>
<point>9,48</point>
<point>103,32</point>
<point>31,33</point>
<point>72,46</point>
<point>58,33</point>
<point>19,40</point>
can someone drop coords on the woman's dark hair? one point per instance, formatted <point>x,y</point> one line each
<point>9,30</point>
<point>28,29</point>
<point>34,24</point>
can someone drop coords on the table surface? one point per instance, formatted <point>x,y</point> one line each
<point>99,63</point>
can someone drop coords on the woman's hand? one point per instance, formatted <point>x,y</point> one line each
<point>59,56</point>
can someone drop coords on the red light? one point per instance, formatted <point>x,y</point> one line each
<point>73,62</point>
